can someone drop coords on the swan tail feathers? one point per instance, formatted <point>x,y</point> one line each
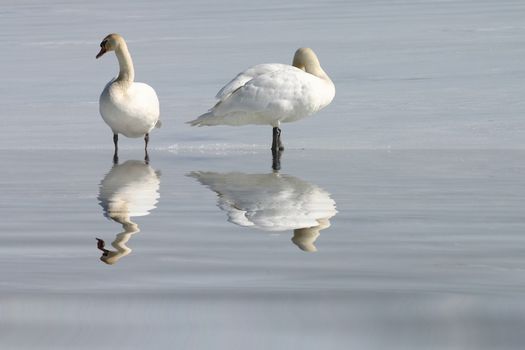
<point>205,120</point>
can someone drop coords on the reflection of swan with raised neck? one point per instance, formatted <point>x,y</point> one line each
<point>129,108</point>
<point>272,202</point>
<point>271,94</point>
<point>129,189</point>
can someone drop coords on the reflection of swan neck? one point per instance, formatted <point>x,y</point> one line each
<point>129,190</point>
<point>272,202</point>
<point>110,257</point>
<point>130,227</point>
<point>305,238</point>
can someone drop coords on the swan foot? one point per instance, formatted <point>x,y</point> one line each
<point>146,158</point>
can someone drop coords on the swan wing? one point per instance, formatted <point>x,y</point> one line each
<point>242,78</point>
<point>283,95</point>
<point>268,201</point>
<point>144,101</point>
<point>132,111</point>
<point>285,91</point>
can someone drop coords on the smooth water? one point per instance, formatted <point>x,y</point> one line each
<point>395,222</point>
<point>425,250</point>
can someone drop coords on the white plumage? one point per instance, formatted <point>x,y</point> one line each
<point>132,111</point>
<point>129,108</point>
<point>272,202</point>
<point>129,189</point>
<point>272,94</point>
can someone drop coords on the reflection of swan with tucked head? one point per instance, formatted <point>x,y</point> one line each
<point>129,189</point>
<point>272,202</point>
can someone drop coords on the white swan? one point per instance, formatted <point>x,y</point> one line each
<point>272,202</point>
<point>129,189</point>
<point>129,108</point>
<point>272,94</point>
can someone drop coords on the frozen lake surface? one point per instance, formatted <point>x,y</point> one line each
<point>408,74</point>
<point>396,222</point>
<point>425,251</point>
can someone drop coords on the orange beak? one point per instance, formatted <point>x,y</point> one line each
<point>102,51</point>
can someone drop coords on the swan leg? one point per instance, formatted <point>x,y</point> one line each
<point>115,155</point>
<point>276,140</point>
<point>277,148</point>
<point>146,141</point>
<point>276,159</point>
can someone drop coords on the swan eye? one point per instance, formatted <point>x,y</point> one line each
<point>102,44</point>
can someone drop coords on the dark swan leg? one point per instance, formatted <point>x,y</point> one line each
<point>277,148</point>
<point>146,155</point>
<point>276,159</point>
<point>276,140</point>
<point>115,155</point>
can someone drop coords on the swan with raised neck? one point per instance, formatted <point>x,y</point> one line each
<point>115,42</point>
<point>129,108</point>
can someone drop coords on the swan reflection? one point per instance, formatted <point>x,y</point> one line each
<point>272,202</point>
<point>128,190</point>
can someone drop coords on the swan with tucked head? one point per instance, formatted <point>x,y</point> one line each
<point>272,202</point>
<point>271,94</point>
<point>129,108</point>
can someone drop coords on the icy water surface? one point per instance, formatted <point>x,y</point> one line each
<point>409,74</point>
<point>396,220</point>
<point>215,250</point>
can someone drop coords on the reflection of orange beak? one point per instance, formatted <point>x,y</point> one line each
<point>102,51</point>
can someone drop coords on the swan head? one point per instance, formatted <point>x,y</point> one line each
<point>109,257</point>
<point>110,43</point>
<point>305,238</point>
<point>306,59</point>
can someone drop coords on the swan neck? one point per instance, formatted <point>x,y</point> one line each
<point>127,72</point>
<point>122,238</point>
<point>318,72</point>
